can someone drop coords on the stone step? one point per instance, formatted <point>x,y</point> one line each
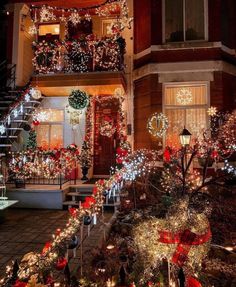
<point>71,203</point>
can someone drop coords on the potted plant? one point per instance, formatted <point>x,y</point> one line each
<point>85,160</point>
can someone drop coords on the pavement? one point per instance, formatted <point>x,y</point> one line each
<point>26,230</point>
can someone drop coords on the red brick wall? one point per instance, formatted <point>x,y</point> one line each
<point>147,100</point>
<point>223,91</point>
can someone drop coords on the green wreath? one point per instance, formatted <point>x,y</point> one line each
<point>78,100</point>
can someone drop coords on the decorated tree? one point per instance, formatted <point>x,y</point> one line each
<point>32,140</point>
<point>85,159</point>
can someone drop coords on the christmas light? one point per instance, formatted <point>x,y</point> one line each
<point>157,124</point>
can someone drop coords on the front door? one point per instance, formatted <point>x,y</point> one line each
<point>105,136</point>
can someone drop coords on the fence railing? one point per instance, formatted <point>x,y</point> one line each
<point>39,167</point>
<point>79,56</point>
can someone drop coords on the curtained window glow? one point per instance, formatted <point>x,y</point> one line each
<point>191,114</point>
<point>50,132</point>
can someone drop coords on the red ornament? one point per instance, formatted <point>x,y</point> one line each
<point>46,247</point>
<point>95,190</point>
<point>36,123</point>
<point>73,211</point>
<point>166,155</point>
<point>61,264</point>
<point>88,202</point>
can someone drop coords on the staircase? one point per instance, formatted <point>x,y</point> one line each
<point>8,95</point>
<point>77,194</point>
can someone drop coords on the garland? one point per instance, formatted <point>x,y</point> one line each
<point>78,100</point>
<point>44,163</point>
<point>157,124</point>
<point>84,55</point>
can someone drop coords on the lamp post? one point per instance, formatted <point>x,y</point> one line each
<point>185,137</point>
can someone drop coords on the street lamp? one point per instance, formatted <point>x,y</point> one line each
<point>185,137</point>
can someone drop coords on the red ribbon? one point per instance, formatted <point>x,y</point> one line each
<point>185,240</point>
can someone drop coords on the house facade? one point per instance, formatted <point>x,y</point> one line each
<point>184,63</point>
<point>178,60</point>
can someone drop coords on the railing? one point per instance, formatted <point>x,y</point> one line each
<point>40,167</point>
<point>79,56</point>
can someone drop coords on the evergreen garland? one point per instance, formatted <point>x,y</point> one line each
<point>78,100</point>
<point>32,140</point>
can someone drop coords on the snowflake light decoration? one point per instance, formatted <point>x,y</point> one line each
<point>184,96</point>
<point>75,18</point>
<point>87,17</point>
<point>46,15</point>
<point>63,18</point>
<point>2,129</point>
<point>27,97</point>
<point>212,111</point>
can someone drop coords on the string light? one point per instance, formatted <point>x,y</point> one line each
<point>157,124</point>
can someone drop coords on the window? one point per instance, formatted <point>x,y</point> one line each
<point>50,130</point>
<point>106,27</point>
<point>49,32</point>
<point>185,105</point>
<point>185,20</point>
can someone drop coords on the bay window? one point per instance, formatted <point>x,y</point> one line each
<point>185,105</point>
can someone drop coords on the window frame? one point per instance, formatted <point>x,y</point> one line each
<point>187,84</point>
<point>206,36</point>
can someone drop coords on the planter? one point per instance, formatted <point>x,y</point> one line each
<point>84,172</point>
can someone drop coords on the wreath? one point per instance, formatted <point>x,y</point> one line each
<point>78,100</point>
<point>157,124</point>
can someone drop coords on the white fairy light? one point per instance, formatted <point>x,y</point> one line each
<point>15,113</point>
<point>2,129</point>
<point>87,17</point>
<point>33,29</point>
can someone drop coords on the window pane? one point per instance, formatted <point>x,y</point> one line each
<point>196,120</point>
<point>174,20</point>
<point>186,95</point>
<point>176,120</point>
<point>56,136</point>
<point>53,29</point>
<point>194,20</point>
<point>43,136</point>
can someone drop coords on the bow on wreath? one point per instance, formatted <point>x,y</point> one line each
<point>185,239</point>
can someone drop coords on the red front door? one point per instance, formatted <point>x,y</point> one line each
<point>105,146</point>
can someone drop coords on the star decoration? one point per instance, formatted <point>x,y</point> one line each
<point>212,111</point>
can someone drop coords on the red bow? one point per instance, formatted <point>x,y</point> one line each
<point>185,240</point>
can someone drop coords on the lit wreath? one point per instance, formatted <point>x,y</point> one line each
<point>78,100</point>
<point>157,124</point>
